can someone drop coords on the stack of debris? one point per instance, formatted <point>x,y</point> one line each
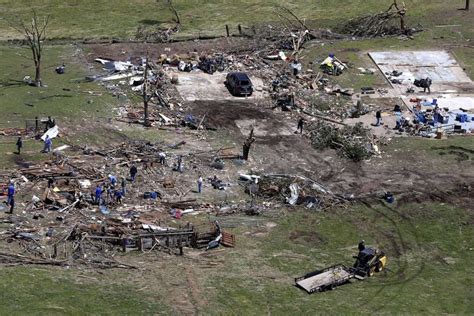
<point>353,142</point>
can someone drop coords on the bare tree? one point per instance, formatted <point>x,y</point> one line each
<point>401,13</point>
<point>247,144</point>
<point>174,11</point>
<point>34,35</point>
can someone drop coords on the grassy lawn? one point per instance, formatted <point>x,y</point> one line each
<point>67,98</point>
<point>60,292</point>
<point>96,19</point>
<point>429,249</point>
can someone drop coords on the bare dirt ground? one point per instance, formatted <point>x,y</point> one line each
<point>125,51</point>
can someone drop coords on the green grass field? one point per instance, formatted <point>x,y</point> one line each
<point>429,249</point>
<point>74,19</point>
<point>432,243</point>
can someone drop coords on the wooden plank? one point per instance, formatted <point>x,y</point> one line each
<point>228,239</point>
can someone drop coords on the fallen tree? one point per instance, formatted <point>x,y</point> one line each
<point>386,23</point>
<point>352,142</point>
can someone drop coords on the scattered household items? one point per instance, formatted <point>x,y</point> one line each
<point>423,83</point>
<point>332,66</point>
<point>389,198</point>
<point>60,69</point>
<point>295,67</point>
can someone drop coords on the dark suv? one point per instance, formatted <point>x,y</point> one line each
<point>239,83</point>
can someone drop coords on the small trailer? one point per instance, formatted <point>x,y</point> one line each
<point>368,261</point>
<point>326,279</point>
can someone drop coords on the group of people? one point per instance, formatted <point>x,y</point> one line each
<point>48,141</point>
<point>48,145</point>
<point>106,193</point>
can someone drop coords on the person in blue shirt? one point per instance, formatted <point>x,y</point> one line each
<point>98,194</point>
<point>11,193</point>
<point>118,196</point>
<point>113,180</point>
<point>48,144</point>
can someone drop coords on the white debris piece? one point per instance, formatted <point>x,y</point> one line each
<point>52,133</point>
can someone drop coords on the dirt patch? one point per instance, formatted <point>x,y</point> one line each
<point>132,51</point>
<point>308,237</point>
<point>460,153</point>
<point>223,114</point>
<point>21,162</point>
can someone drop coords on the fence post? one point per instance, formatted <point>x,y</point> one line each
<point>227,30</point>
<point>36,124</point>
<point>240,29</point>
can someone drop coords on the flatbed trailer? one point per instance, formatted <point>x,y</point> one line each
<point>325,279</point>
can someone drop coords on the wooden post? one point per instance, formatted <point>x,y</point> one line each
<point>227,30</point>
<point>240,29</point>
<point>180,246</point>
<point>36,124</point>
<point>467,5</point>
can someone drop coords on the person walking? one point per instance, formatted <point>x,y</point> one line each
<point>300,125</point>
<point>378,117</point>
<point>124,184</point>
<point>12,205</point>
<point>19,145</point>
<point>199,182</point>
<point>180,166</point>
<point>133,172</point>
<point>10,193</point>
<point>48,144</point>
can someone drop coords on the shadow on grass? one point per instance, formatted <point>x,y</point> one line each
<point>150,22</point>
<point>12,83</point>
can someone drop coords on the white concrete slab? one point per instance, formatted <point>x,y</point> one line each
<point>446,74</point>
<point>198,85</point>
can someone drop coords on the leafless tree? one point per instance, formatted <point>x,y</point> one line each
<point>177,19</point>
<point>247,144</point>
<point>34,35</point>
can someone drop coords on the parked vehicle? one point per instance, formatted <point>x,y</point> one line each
<point>239,84</point>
